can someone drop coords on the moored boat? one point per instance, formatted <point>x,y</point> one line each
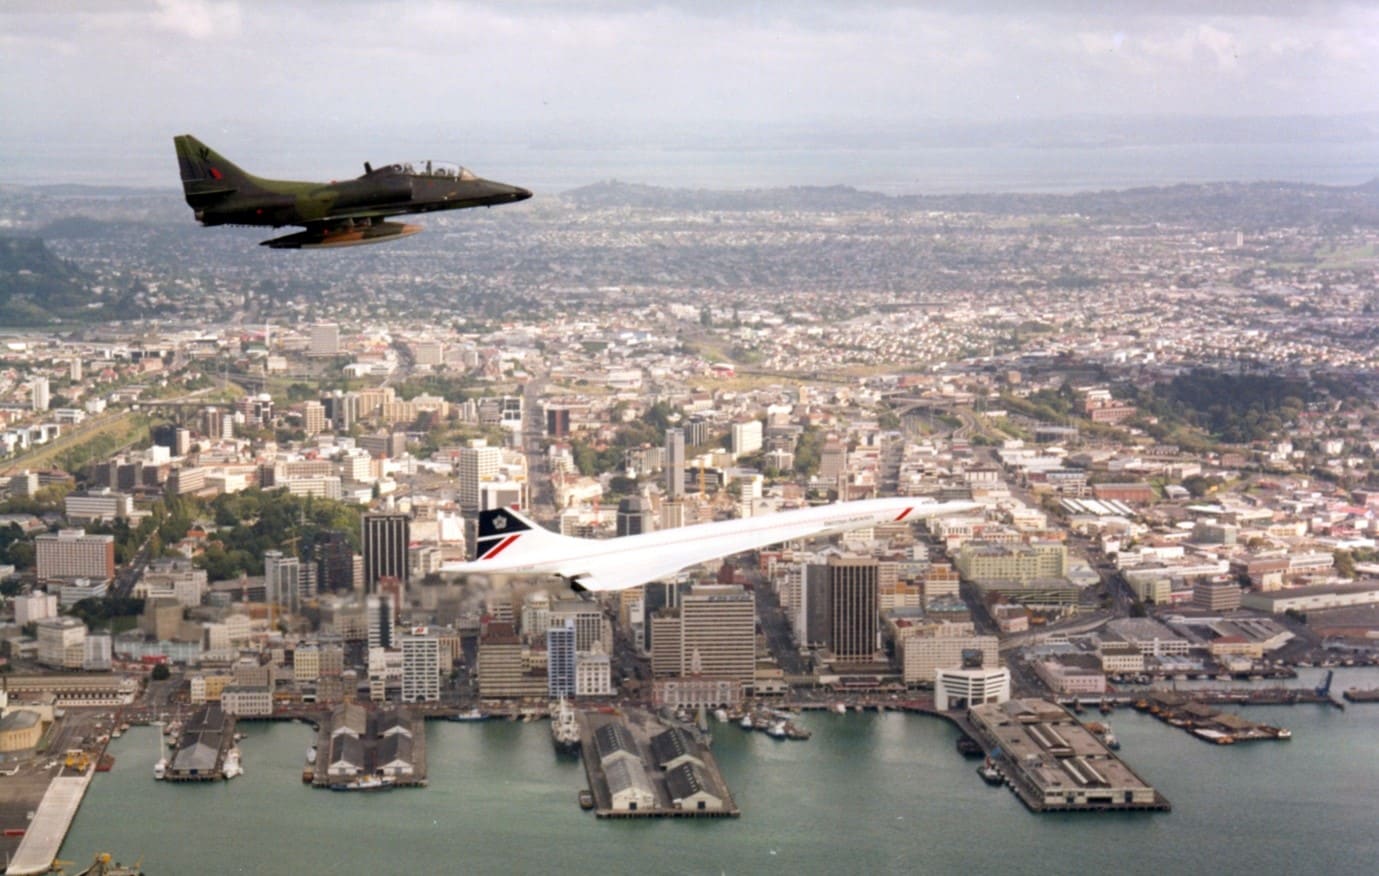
<point>565,728</point>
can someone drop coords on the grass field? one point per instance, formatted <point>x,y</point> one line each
<point>109,431</point>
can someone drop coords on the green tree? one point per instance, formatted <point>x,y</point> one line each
<point>1345,564</point>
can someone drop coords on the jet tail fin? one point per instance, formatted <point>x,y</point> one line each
<point>506,532</point>
<point>207,175</point>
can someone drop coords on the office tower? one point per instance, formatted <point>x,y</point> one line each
<point>675,464</point>
<point>325,339</point>
<point>590,624</point>
<point>421,658</point>
<point>852,608</point>
<point>718,633</point>
<point>282,582</point>
<point>746,437</point>
<point>314,417</point>
<point>536,614</point>
<point>385,539</point>
<point>381,616</point>
<point>657,595</point>
<point>475,464</point>
<point>634,516</point>
<point>71,553</point>
<point>832,463</point>
<point>342,409</point>
<point>560,659</point>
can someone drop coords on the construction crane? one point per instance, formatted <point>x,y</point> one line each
<point>1324,689</point>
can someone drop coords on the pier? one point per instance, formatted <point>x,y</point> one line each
<point>201,747</point>
<point>640,768</point>
<point>44,836</point>
<point>1055,764</point>
<point>1205,722</point>
<point>358,749</point>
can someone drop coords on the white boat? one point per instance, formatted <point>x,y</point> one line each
<point>776,729</point>
<point>372,783</point>
<point>720,715</point>
<point>311,754</point>
<point>746,722</point>
<point>160,769</point>
<point>232,767</point>
<point>565,727</point>
<point>471,715</point>
<point>840,708</point>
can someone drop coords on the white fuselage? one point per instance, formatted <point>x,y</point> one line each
<point>609,564</point>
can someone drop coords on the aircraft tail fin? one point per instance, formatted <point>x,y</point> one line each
<point>207,175</point>
<point>507,533</point>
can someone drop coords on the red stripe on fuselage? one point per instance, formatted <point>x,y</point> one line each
<point>502,546</point>
<point>904,514</point>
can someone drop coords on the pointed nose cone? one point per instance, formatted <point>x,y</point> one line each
<point>501,193</point>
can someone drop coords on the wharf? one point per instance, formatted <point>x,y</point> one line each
<point>1359,695</point>
<point>44,836</point>
<point>201,747</point>
<point>639,768</point>
<point>1205,722</point>
<point>358,749</point>
<point>1055,764</point>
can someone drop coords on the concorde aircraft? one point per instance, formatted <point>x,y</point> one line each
<point>344,213</point>
<point>510,543</point>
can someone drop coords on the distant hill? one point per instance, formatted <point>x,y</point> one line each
<point>37,287</point>
<point>1232,205</point>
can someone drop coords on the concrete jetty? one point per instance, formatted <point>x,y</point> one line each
<point>48,829</point>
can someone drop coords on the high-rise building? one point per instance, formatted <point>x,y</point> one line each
<point>61,642</point>
<point>634,516</point>
<point>475,464</point>
<point>314,417</point>
<point>718,633</point>
<point>560,659</point>
<point>593,674</point>
<point>325,339</point>
<point>342,409</point>
<point>420,667</point>
<point>282,581</point>
<point>385,538</point>
<point>852,608</point>
<point>35,606</point>
<point>675,463</point>
<point>746,437</point>
<point>503,671</point>
<point>334,560</point>
<point>672,514</point>
<point>381,616</point>
<point>536,614</point>
<point>71,553</point>
<point>590,624</point>
<point>429,352</point>
<point>40,393</point>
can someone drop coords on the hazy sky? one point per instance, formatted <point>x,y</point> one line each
<point>136,72</point>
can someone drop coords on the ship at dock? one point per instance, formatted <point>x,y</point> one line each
<point>565,728</point>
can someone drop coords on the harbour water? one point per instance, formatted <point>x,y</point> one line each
<point>875,793</point>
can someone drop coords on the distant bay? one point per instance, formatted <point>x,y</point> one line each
<point>550,168</point>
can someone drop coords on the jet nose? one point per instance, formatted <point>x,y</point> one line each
<point>519,194</point>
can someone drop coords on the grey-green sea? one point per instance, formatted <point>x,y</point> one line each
<point>869,793</point>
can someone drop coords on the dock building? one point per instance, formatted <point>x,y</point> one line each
<point>1054,763</point>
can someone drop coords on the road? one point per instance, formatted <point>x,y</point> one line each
<point>540,490</point>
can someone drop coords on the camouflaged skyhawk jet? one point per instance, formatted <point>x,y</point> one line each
<point>344,213</point>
